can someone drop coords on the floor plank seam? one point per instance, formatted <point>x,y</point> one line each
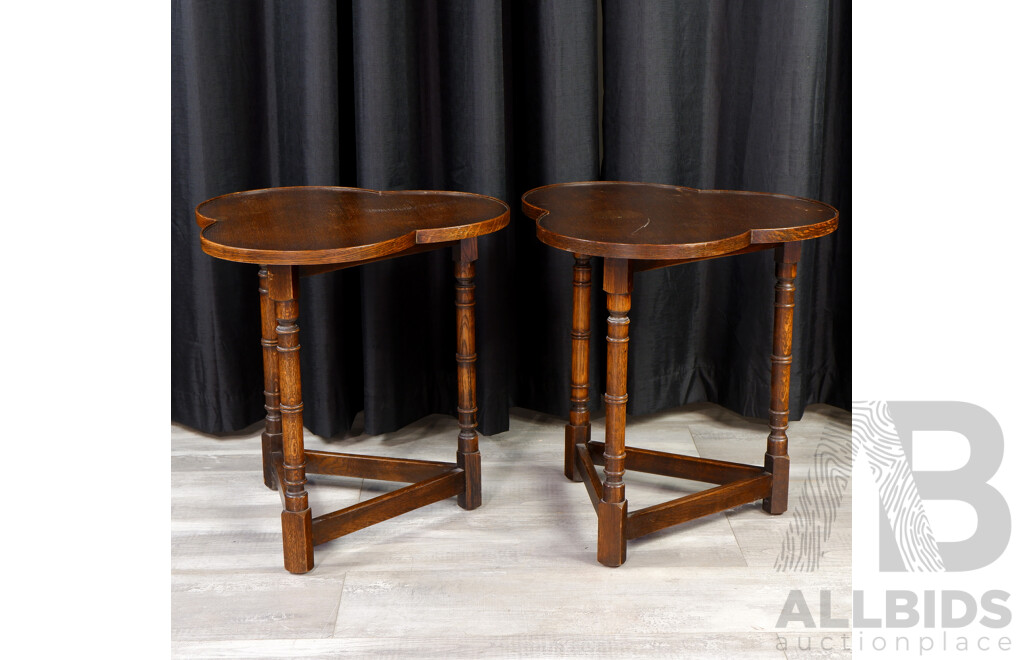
<point>736,539</point>
<point>406,585</point>
<point>337,608</point>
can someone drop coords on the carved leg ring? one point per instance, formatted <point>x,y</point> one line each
<point>578,428</point>
<point>296,519</point>
<point>271,394</point>
<point>612,509</point>
<point>776,459</point>
<point>468,454</point>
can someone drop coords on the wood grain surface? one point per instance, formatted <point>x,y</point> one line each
<point>654,221</point>
<point>325,225</point>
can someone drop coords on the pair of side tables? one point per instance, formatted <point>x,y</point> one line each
<point>302,231</point>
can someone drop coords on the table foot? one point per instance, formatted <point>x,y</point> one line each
<point>297,529</point>
<point>778,501</point>
<point>470,464</point>
<point>611,532</point>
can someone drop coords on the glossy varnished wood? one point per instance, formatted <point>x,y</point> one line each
<point>464,255</point>
<point>613,507</point>
<point>638,227</point>
<point>707,470</point>
<point>629,220</point>
<point>345,521</point>
<point>328,225</point>
<point>271,439</point>
<point>296,519</point>
<point>374,467</point>
<point>590,478</point>
<point>776,458</point>
<point>294,232</point>
<point>681,509</point>
<point>578,428</point>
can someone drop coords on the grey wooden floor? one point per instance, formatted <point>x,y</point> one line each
<point>515,578</point>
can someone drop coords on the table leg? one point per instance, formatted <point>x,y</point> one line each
<point>578,428</point>
<point>468,454</point>
<point>612,509</point>
<point>271,395</point>
<point>776,459</point>
<point>296,519</point>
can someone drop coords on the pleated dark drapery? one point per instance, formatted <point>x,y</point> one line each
<point>495,98</point>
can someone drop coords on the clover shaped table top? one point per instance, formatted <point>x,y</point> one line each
<point>653,221</point>
<point>328,225</point>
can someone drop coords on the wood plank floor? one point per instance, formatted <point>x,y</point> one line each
<point>517,577</point>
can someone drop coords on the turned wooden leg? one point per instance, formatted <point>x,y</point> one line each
<point>776,459</point>
<point>578,428</point>
<point>612,509</point>
<point>468,454</point>
<point>271,394</point>
<point>296,519</point>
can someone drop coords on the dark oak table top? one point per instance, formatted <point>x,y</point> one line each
<point>329,225</point>
<point>628,220</point>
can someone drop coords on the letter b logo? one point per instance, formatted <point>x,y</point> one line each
<point>883,432</point>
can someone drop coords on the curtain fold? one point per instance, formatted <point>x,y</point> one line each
<point>727,96</point>
<point>557,139</point>
<point>496,98</point>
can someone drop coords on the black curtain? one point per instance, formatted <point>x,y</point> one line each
<point>497,97</point>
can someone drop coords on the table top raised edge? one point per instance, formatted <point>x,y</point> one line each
<point>371,251</point>
<point>672,251</point>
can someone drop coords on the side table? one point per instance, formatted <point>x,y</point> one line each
<point>302,231</point>
<point>637,227</point>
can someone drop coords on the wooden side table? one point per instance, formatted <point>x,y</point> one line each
<point>294,232</point>
<point>637,227</point>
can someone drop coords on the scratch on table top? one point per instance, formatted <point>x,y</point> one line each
<point>641,226</point>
